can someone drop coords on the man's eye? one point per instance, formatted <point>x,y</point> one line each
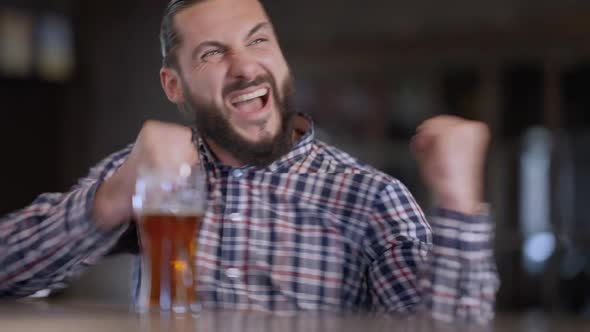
<point>258,41</point>
<point>210,54</point>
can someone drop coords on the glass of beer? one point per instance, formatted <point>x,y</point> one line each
<point>169,207</point>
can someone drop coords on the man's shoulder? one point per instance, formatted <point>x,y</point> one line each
<point>341,162</point>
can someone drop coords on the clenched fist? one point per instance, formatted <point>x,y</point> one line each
<point>163,146</point>
<point>159,147</point>
<point>451,154</point>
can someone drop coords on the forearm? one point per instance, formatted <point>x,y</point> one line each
<point>50,242</point>
<point>461,280</point>
<point>112,205</point>
<point>57,236</point>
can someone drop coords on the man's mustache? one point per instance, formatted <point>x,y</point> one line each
<point>242,84</point>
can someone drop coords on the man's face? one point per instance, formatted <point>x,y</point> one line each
<point>232,70</point>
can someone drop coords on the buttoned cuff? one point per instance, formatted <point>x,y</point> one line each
<point>461,235</point>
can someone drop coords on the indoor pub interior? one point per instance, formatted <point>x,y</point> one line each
<point>79,79</point>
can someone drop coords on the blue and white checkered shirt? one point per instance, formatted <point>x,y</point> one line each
<point>315,230</point>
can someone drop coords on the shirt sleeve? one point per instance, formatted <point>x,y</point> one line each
<point>55,239</point>
<point>444,270</point>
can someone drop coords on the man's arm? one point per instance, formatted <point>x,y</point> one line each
<point>449,270</point>
<point>57,237</point>
<point>451,153</point>
<point>446,273</point>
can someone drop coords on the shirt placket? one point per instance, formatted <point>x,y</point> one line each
<point>234,237</point>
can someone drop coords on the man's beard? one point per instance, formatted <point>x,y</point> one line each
<point>213,125</point>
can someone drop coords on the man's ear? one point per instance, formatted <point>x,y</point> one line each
<point>172,85</point>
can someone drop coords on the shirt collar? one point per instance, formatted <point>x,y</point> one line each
<point>304,129</point>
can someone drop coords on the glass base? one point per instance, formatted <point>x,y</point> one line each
<point>193,308</point>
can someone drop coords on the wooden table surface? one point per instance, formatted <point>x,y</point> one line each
<point>46,316</point>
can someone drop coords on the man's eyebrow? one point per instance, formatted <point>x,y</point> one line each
<point>257,28</point>
<point>212,43</point>
<point>205,44</point>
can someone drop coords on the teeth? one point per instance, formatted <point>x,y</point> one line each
<point>250,96</point>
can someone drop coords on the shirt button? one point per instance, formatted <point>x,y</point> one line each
<point>237,173</point>
<point>233,273</point>
<point>236,217</point>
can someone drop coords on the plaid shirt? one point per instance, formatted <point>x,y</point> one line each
<point>315,230</point>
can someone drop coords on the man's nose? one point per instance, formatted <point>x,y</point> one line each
<point>243,67</point>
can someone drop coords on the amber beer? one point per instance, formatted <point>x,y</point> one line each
<point>169,246</point>
<point>169,205</point>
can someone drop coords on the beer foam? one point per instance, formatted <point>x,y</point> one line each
<point>185,212</point>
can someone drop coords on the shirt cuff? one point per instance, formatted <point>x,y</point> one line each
<point>462,235</point>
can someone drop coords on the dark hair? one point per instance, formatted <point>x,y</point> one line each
<point>170,39</point>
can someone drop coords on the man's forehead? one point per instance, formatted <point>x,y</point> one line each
<point>210,17</point>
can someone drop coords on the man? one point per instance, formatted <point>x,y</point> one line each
<point>299,224</point>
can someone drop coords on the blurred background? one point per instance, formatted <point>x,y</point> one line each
<point>78,78</point>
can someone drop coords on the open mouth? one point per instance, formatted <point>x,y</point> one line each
<point>251,101</point>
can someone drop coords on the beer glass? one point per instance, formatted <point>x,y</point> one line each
<point>170,208</point>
